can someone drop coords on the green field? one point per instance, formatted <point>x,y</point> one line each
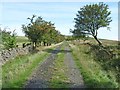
<point>21,39</point>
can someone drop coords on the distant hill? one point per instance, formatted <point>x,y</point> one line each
<point>21,39</point>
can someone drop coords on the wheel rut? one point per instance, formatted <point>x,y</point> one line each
<point>73,73</point>
<point>40,77</point>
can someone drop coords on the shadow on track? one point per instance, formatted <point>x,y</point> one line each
<point>57,51</point>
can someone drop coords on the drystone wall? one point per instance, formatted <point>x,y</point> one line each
<point>6,55</point>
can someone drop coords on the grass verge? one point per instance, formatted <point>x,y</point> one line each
<point>16,72</point>
<point>92,72</point>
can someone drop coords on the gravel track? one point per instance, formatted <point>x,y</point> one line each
<point>73,73</point>
<point>40,78</point>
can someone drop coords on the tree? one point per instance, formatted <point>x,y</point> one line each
<point>34,30</point>
<point>39,30</point>
<point>48,36</point>
<point>8,38</point>
<point>90,18</point>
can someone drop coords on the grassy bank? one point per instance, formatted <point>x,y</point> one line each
<point>15,72</point>
<point>95,76</point>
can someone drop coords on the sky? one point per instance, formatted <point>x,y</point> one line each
<point>14,14</point>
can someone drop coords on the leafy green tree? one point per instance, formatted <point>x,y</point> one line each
<point>34,30</point>
<point>47,37</point>
<point>90,19</point>
<point>39,30</point>
<point>8,39</point>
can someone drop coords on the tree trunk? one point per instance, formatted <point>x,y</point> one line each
<point>44,43</point>
<point>100,44</point>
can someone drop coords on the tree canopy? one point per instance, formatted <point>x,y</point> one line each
<point>8,38</point>
<point>39,30</point>
<point>90,19</point>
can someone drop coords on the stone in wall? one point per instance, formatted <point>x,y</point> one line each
<point>6,55</point>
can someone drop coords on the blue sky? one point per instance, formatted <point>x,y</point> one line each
<point>14,14</point>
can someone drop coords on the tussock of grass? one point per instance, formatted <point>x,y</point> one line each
<point>16,71</point>
<point>93,74</point>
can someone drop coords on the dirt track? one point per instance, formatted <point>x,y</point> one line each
<point>73,72</point>
<point>41,76</point>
